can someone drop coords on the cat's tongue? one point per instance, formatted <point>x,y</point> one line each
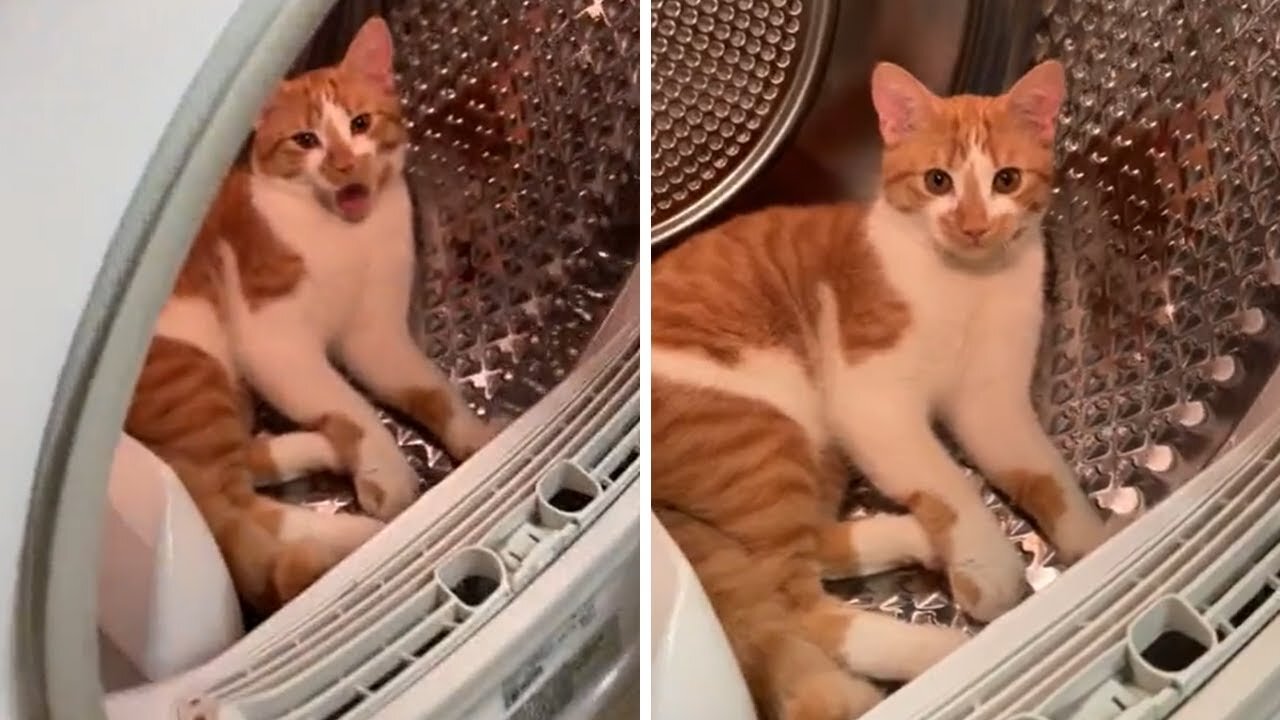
<point>352,201</point>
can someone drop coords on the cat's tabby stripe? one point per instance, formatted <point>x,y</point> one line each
<point>188,411</point>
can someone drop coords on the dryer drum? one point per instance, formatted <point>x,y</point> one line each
<point>1164,233</point>
<point>524,167</point>
<point>729,82</point>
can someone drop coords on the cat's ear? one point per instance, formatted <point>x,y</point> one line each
<point>1037,97</point>
<point>264,114</point>
<point>901,101</point>
<point>369,54</point>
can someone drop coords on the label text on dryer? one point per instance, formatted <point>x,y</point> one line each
<point>569,633</point>
<point>577,672</point>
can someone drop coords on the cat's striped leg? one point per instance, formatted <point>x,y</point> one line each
<point>874,544</point>
<point>791,676</point>
<point>877,645</point>
<point>1001,433</point>
<point>187,410</point>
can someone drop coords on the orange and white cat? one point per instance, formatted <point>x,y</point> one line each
<point>306,254</point>
<point>785,337</point>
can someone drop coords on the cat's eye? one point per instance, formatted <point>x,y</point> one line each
<point>306,139</point>
<point>360,123</point>
<point>1006,180</point>
<point>937,181</point>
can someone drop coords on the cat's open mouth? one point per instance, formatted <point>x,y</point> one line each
<point>353,201</point>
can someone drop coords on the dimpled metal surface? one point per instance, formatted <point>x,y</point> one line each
<point>723,71</point>
<point>524,166</point>
<point>1165,250</point>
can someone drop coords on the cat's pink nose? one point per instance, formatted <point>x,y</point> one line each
<point>974,237</point>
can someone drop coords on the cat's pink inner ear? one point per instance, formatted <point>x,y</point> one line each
<point>370,53</point>
<point>900,100</point>
<point>264,113</point>
<point>1037,97</point>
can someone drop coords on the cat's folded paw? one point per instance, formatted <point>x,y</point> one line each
<point>344,438</point>
<point>385,483</point>
<point>988,583</point>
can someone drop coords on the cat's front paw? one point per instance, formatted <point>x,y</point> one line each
<point>469,434</point>
<point>1078,534</point>
<point>987,577</point>
<point>385,483</point>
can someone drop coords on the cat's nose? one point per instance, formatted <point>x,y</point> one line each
<point>974,235</point>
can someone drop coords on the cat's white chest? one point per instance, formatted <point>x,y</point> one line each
<point>339,257</point>
<point>959,320</point>
<point>944,308</point>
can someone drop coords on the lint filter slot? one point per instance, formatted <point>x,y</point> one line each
<point>1145,675</point>
<point>566,495</point>
<point>1240,612</point>
<point>1166,643</point>
<point>473,576</point>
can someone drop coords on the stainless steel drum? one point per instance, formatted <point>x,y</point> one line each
<point>1164,234</point>
<point>730,78</point>
<point>524,124</point>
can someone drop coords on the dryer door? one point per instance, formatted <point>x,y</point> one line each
<point>120,119</point>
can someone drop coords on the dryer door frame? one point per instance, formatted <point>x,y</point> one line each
<point>56,643</point>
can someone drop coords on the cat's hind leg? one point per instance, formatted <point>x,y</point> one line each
<point>340,533</point>
<point>277,459</point>
<point>874,544</point>
<point>332,444</point>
